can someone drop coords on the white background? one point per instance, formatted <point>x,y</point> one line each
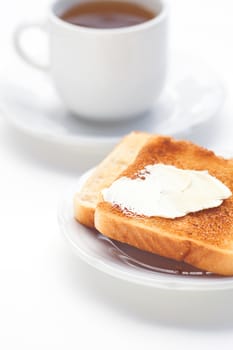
<point>48,298</point>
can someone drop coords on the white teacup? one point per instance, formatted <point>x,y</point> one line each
<point>105,74</point>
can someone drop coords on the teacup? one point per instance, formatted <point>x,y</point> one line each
<point>104,74</point>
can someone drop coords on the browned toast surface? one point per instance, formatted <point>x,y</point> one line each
<point>203,239</point>
<point>106,172</point>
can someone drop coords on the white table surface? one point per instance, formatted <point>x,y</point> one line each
<point>49,299</point>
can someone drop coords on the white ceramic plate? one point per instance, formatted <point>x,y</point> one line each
<point>28,101</point>
<point>119,261</point>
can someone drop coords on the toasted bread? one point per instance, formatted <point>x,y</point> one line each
<point>108,170</point>
<point>203,239</point>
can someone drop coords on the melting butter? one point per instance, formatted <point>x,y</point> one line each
<point>166,191</point>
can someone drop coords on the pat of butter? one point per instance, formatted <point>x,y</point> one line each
<point>166,191</point>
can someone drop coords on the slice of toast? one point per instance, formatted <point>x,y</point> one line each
<point>108,170</point>
<point>203,239</point>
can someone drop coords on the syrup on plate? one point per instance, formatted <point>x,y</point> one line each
<point>139,258</point>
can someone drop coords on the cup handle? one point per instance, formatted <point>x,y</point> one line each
<point>42,26</point>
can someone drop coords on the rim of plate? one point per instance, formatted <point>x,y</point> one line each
<point>109,141</point>
<point>140,275</point>
<point>74,140</point>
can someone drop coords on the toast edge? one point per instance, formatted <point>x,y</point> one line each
<point>205,257</point>
<point>84,211</point>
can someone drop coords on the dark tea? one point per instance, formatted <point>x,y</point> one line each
<point>107,14</point>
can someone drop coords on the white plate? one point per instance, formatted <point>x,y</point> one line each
<point>112,257</point>
<point>192,95</point>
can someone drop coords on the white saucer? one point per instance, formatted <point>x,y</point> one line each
<point>109,257</point>
<point>192,95</point>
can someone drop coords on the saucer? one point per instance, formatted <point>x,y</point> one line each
<point>125,262</point>
<point>192,95</point>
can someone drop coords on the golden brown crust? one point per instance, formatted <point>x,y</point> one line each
<point>111,167</point>
<point>83,213</point>
<point>203,239</point>
<point>156,240</point>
